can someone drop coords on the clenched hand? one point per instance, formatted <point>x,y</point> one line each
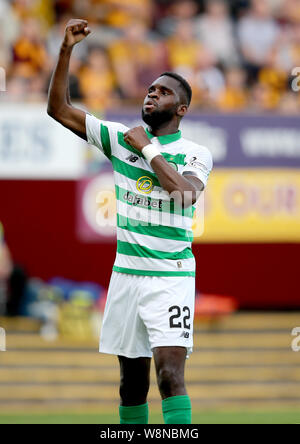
<point>76,30</point>
<point>137,138</point>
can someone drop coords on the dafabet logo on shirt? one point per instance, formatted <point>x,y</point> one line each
<point>144,185</point>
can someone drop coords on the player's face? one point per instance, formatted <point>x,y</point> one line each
<point>161,102</point>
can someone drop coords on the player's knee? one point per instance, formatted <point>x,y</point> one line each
<point>133,392</point>
<point>169,380</point>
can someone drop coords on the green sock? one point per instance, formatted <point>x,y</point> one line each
<point>137,414</point>
<point>177,410</point>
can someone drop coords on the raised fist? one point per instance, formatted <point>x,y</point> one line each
<point>76,30</point>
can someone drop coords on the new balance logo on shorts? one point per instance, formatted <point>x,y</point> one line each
<point>185,335</point>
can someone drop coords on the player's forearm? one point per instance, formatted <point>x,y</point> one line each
<point>174,183</point>
<point>183,191</point>
<point>58,96</point>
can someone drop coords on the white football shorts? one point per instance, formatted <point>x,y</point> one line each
<point>144,312</point>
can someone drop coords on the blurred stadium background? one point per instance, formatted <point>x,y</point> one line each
<point>57,235</point>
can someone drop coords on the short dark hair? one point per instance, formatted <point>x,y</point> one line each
<point>183,83</point>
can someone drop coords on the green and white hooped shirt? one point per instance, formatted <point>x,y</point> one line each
<point>154,236</point>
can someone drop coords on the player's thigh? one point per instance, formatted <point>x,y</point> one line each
<point>167,310</point>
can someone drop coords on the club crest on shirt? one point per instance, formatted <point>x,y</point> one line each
<point>144,185</point>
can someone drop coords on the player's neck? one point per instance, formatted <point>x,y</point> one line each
<point>164,130</point>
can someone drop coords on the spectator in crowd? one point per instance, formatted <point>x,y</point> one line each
<point>258,33</point>
<point>118,14</point>
<point>10,26</point>
<point>4,53</point>
<point>185,53</point>
<point>295,45</point>
<point>233,98</point>
<point>121,13</point>
<point>62,7</point>
<point>40,10</point>
<point>209,83</point>
<point>97,81</point>
<point>263,98</point>
<point>178,11</point>
<point>29,52</point>
<point>289,105</point>
<point>278,70</point>
<point>135,61</point>
<point>215,31</point>
<point>94,11</point>
<point>288,51</point>
<point>273,75</point>
<point>200,39</point>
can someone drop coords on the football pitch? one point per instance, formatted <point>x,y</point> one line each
<point>218,417</point>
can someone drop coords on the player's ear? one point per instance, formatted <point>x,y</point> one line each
<point>182,110</point>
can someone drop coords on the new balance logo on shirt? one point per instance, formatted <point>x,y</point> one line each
<point>132,158</point>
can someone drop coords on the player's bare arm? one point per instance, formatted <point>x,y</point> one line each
<point>59,105</point>
<point>189,187</point>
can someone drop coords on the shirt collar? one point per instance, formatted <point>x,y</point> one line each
<point>169,138</point>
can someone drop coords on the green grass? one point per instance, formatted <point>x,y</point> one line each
<point>218,417</point>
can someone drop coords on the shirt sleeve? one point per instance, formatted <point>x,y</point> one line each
<point>199,163</point>
<point>103,134</point>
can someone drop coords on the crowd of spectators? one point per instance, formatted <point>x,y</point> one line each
<point>238,55</point>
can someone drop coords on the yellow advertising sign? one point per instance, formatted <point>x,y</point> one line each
<point>252,205</point>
